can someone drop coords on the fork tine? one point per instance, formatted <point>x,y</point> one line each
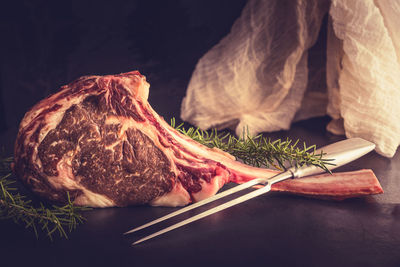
<point>199,216</point>
<point>200,203</point>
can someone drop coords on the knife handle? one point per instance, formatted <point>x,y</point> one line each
<point>338,154</point>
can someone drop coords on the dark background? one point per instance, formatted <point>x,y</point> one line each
<point>46,44</point>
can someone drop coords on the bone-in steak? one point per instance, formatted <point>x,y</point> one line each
<point>99,139</point>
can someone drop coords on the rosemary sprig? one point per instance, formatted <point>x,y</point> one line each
<point>20,209</point>
<point>258,151</point>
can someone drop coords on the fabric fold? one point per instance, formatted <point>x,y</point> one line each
<point>257,77</point>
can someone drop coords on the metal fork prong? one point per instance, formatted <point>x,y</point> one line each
<point>201,203</point>
<point>199,216</point>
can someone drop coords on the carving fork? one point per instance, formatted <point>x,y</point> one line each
<point>339,154</point>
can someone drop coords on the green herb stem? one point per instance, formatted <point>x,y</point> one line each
<point>258,151</point>
<point>20,209</point>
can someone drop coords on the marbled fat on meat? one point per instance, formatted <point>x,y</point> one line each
<point>99,140</point>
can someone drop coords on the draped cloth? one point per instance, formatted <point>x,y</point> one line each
<point>259,76</point>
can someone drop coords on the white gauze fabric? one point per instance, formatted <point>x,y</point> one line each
<point>368,89</point>
<point>257,76</point>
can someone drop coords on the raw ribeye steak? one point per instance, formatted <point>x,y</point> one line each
<point>99,139</point>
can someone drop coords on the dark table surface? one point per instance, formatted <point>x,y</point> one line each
<point>48,45</point>
<point>273,229</point>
